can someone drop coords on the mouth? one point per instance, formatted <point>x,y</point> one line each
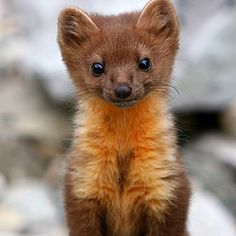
<point>125,104</point>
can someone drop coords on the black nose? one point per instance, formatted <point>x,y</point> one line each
<point>123,91</point>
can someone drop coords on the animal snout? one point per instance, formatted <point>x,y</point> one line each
<point>123,91</point>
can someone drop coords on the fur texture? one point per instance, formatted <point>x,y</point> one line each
<point>124,176</point>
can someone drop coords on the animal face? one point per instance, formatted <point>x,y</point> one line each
<point>120,59</point>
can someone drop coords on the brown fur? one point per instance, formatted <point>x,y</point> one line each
<point>124,177</point>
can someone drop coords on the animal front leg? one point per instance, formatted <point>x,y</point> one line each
<point>84,217</point>
<point>172,223</point>
<point>173,219</point>
<point>157,228</point>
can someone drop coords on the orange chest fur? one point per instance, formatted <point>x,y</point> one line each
<point>124,160</point>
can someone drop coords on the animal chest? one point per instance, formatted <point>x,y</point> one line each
<point>128,187</point>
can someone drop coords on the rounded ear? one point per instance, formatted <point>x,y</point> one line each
<point>75,27</point>
<point>159,18</point>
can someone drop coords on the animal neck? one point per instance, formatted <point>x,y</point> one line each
<point>123,130</point>
<point>146,110</point>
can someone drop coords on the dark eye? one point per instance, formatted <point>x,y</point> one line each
<point>144,64</point>
<point>98,69</point>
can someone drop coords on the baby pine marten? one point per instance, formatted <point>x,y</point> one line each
<point>124,176</point>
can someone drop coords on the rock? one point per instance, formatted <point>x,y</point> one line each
<point>32,119</point>
<point>27,31</point>
<point>211,159</point>
<point>9,234</point>
<point>60,231</point>
<point>54,175</point>
<point>29,208</point>
<point>219,147</point>
<point>32,131</point>
<point>206,81</point>
<point>2,185</point>
<point>47,230</point>
<point>188,11</point>
<point>209,217</point>
<point>11,220</point>
<point>32,200</point>
<point>12,44</point>
<point>20,159</point>
<point>228,119</point>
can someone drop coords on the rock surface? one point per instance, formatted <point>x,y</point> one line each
<point>32,131</point>
<point>209,217</point>
<point>228,119</point>
<point>29,208</point>
<point>211,159</point>
<point>206,80</point>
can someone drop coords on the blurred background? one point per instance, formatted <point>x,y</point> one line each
<point>36,109</point>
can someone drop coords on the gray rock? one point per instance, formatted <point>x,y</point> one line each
<point>32,200</point>
<point>208,216</point>
<point>28,208</point>
<point>221,148</point>
<point>228,119</point>
<point>207,79</point>
<point>211,159</point>
<point>19,159</point>
<point>25,112</point>
<point>12,45</point>
<point>2,185</point>
<point>32,131</point>
<point>9,234</point>
<point>11,220</point>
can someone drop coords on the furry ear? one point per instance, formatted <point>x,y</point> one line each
<point>75,27</point>
<point>159,18</point>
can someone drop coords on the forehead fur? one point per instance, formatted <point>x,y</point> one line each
<point>119,40</point>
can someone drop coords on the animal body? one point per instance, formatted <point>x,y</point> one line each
<point>124,175</point>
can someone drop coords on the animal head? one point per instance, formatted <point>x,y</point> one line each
<point>120,59</point>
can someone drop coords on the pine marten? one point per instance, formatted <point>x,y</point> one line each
<point>124,175</point>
